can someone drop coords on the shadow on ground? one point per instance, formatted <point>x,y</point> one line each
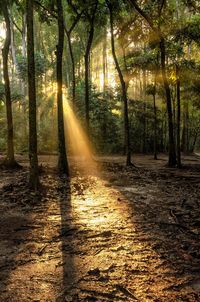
<point>123,235</point>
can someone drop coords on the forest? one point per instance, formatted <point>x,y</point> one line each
<point>99,150</point>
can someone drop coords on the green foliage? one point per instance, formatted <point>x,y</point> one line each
<point>41,64</point>
<point>191,30</point>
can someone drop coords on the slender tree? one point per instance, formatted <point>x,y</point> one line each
<point>68,34</point>
<point>178,117</point>
<point>62,156</point>
<point>10,158</point>
<point>123,87</point>
<point>34,178</point>
<point>156,29</point>
<point>91,19</point>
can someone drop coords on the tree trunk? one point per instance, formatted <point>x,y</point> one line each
<point>62,157</point>
<point>178,118</point>
<point>172,152</point>
<point>124,94</point>
<point>87,100</point>
<point>155,125</point>
<point>10,159</point>
<point>195,140</point>
<point>13,49</point>
<point>34,178</point>
<point>24,25</point>
<point>73,68</point>
<point>87,89</point>
<point>144,113</point>
<point>87,70</point>
<point>185,134</point>
<point>105,72</point>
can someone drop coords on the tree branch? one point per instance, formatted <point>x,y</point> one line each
<point>51,13</point>
<point>18,28</point>
<point>145,16</point>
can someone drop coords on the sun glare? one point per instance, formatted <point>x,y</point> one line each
<point>2,31</point>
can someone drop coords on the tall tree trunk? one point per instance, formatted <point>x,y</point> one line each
<point>10,160</point>
<point>34,178</point>
<point>172,152</point>
<point>185,134</point>
<point>155,125</point>
<point>73,67</point>
<point>195,139</point>
<point>144,113</point>
<point>105,72</point>
<point>87,69</point>
<point>124,94</point>
<point>24,25</point>
<point>87,89</point>
<point>23,33</point>
<point>62,156</point>
<point>174,98</point>
<point>13,49</point>
<point>178,118</point>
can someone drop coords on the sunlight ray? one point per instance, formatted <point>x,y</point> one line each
<point>79,145</point>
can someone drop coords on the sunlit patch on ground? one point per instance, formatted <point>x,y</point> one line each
<point>97,240</point>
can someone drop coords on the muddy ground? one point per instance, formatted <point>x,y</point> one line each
<point>117,234</point>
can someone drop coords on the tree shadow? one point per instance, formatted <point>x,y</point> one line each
<point>126,238</point>
<point>16,225</point>
<point>165,215</point>
<point>36,242</point>
<point>67,234</point>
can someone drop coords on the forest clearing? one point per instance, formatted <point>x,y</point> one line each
<point>126,234</point>
<point>99,150</point>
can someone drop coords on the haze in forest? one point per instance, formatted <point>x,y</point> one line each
<point>131,69</point>
<point>77,143</point>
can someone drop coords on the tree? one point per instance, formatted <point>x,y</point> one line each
<point>68,34</point>
<point>62,156</point>
<point>151,90</point>
<point>178,117</point>
<point>91,19</point>
<point>161,41</point>
<point>123,87</point>
<point>34,177</point>
<point>10,158</point>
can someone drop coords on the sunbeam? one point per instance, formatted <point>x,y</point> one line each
<point>77,141</point>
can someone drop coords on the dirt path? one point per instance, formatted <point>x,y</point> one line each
<point>124,235</point>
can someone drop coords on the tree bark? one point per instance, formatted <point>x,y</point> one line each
<point>34,177</point>
<point>62,156</point>
<point>10,159</point>
<point>87,69</point>
<point>13,49</point>
<point>178,118</point>
<point>172,152</point>
<point>105,72</point>
<point>24,25</point>
<point>124,94</point>
<point>155,124</point>
<point>73,68</point>
<point>144,113</point>
<point>185,134</point>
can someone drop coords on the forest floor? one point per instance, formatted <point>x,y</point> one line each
<point>120,234</point>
